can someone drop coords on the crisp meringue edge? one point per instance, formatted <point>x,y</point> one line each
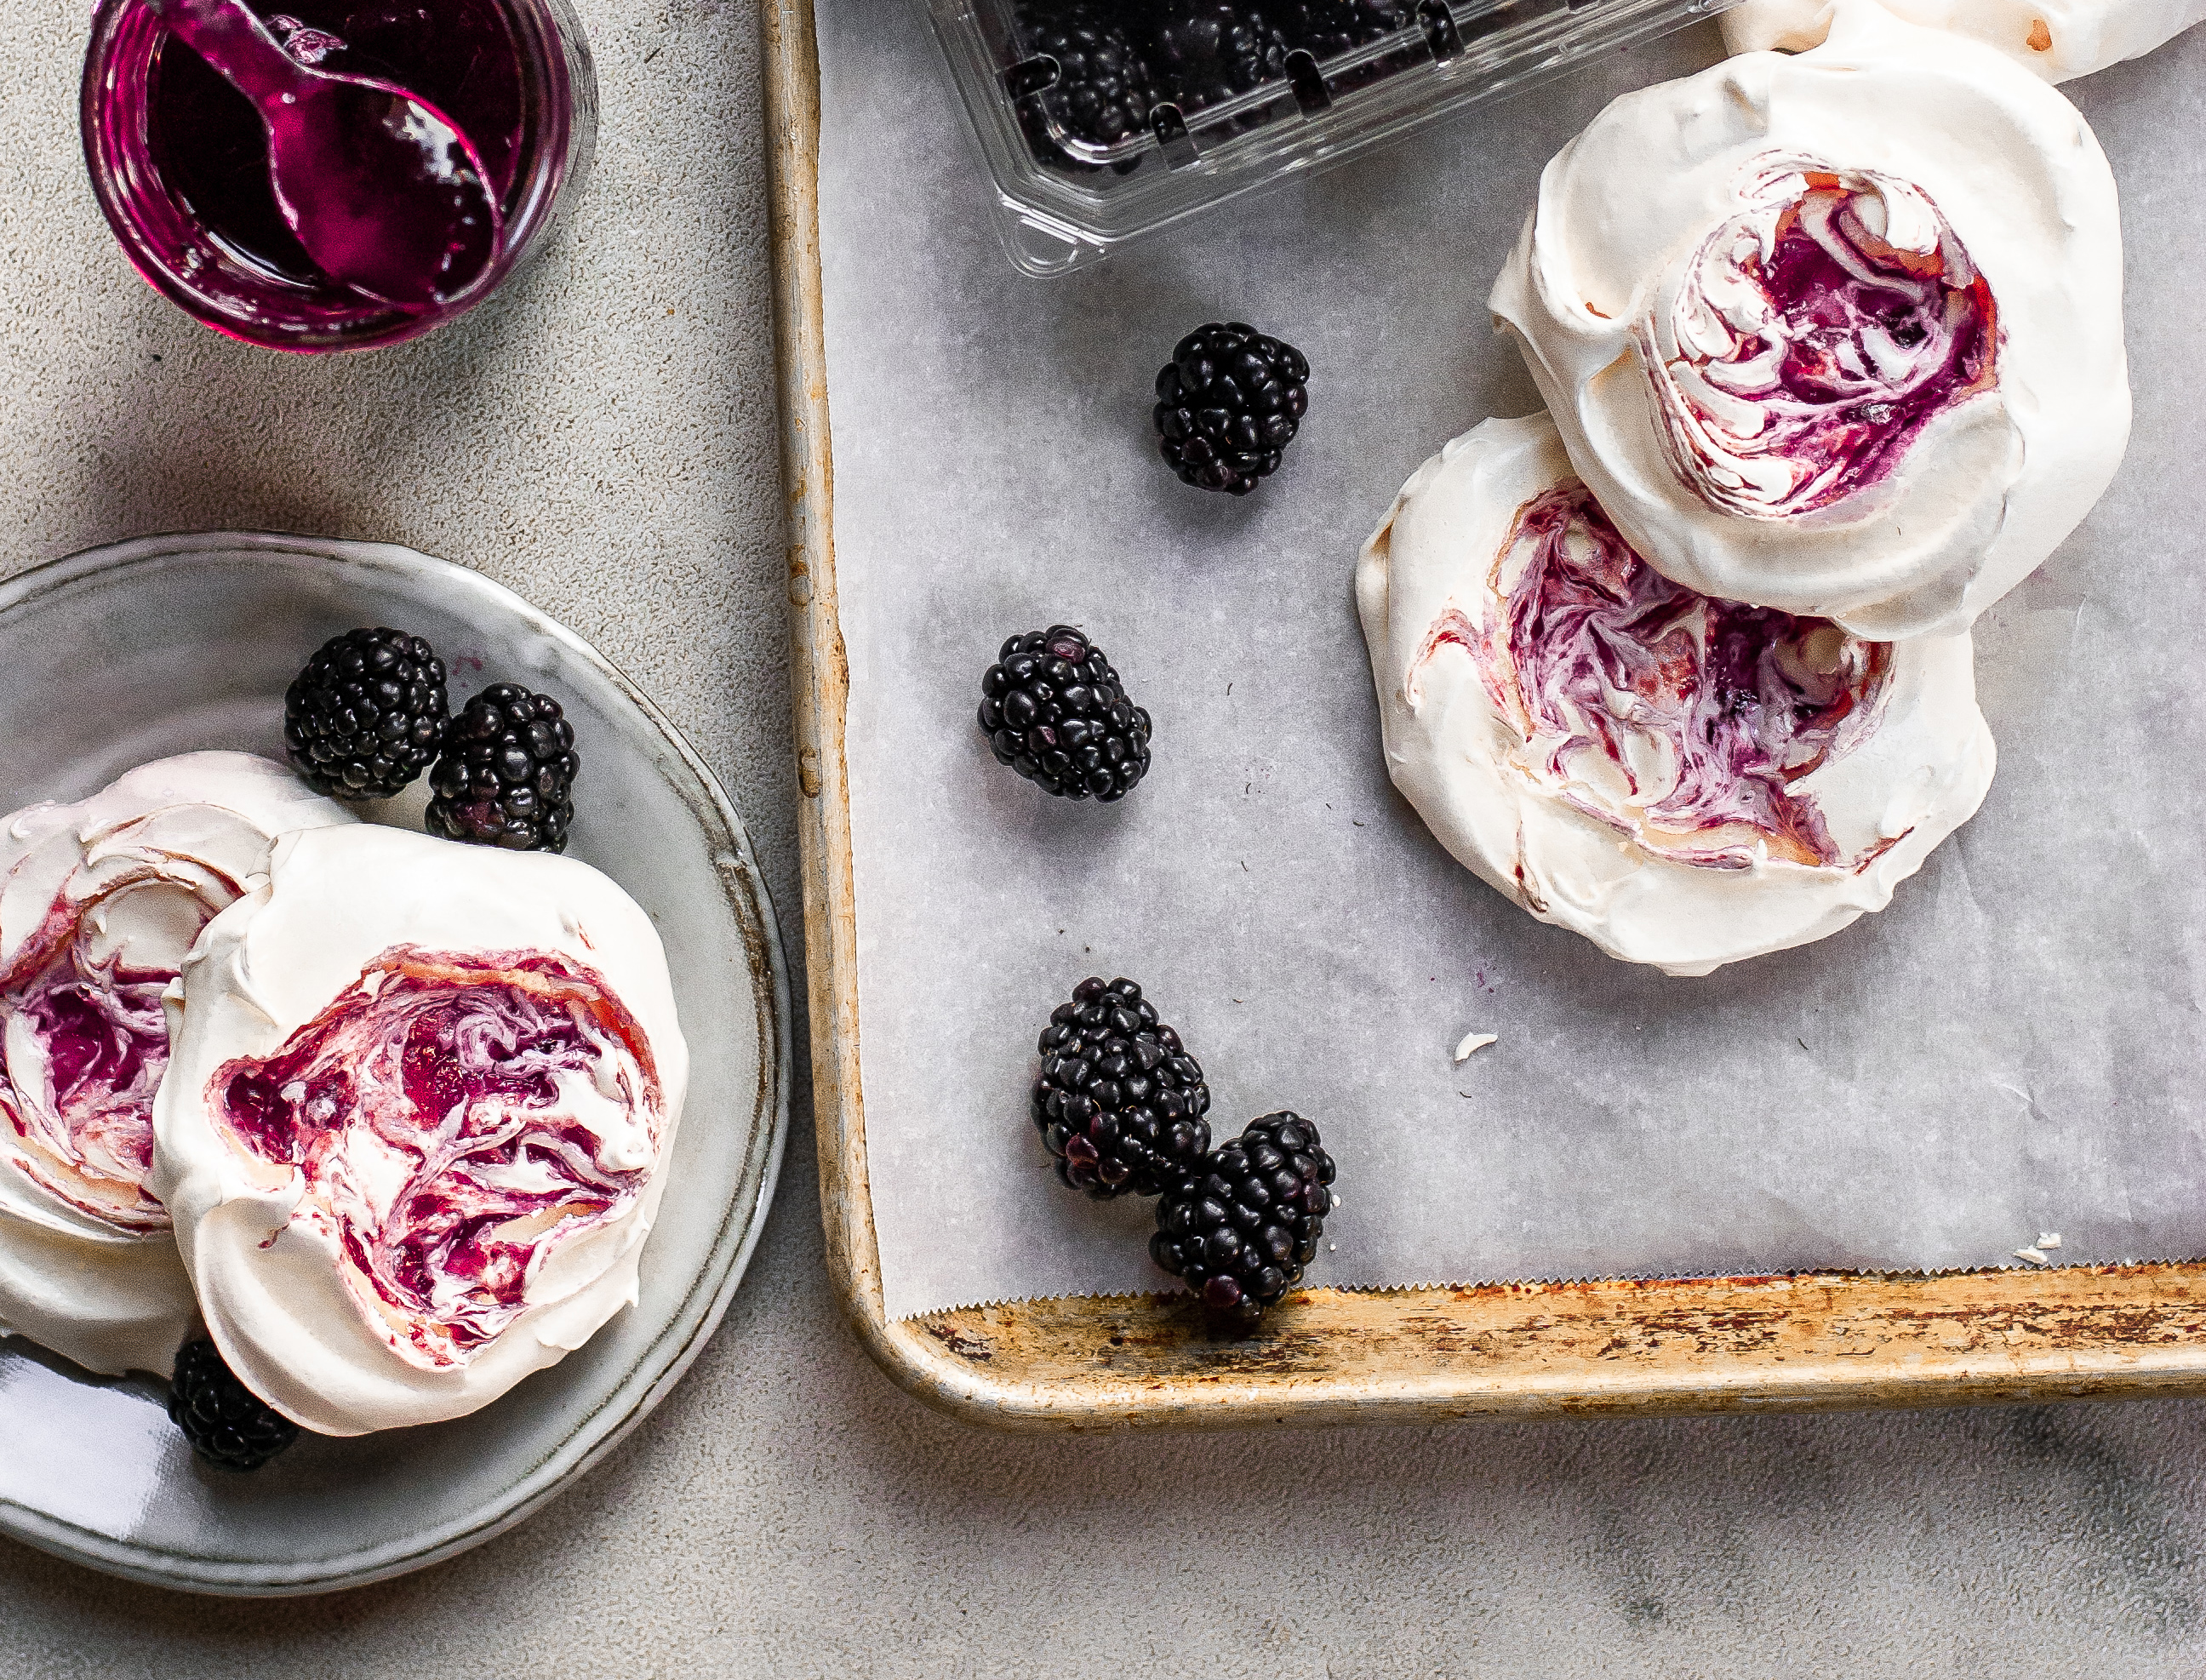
<point>1653,906</point>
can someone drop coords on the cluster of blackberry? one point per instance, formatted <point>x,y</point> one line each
<point>1120,1105</point>
<point>368,715</point>
<point>1118,1101</point>
<point>1117,60</point>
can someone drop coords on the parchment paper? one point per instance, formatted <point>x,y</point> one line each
<point>2011,1049</point>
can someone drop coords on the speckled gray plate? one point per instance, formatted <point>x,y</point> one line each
<point>166,644</point>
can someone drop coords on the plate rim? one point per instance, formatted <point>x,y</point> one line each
<point>706,1301</point>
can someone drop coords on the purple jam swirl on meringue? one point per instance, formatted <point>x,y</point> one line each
<point>1678,719</point>
<point>86,1042</point>
<point>1812,338</point>
<point>87,1045</point>
<point>456,1118</point>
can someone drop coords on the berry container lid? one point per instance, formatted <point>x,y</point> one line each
<point>1101,121</point>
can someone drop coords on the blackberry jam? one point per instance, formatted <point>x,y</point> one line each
<point>179,158</point>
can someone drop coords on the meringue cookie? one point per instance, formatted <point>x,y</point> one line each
<point>412,1131</point>
<point>2056,39</point>
<point>1685,782</point>
<point>1838,334</point>
<point>99,901</point>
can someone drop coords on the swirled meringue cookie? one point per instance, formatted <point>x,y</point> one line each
<point>412,1131</point>
<point>99,901</point>
<point>1838,334</point>
<point>2056,39</point>
<point>1685,782</point>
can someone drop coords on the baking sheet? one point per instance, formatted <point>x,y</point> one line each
<point>2010,1050</point>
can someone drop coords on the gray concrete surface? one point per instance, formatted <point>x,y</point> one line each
<point>787,1512</point>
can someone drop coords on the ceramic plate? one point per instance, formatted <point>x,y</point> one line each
<point>167,644</point>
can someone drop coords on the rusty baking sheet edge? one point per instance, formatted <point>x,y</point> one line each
<point>1700,1345</point>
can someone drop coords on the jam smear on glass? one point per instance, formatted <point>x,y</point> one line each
<point>208,144</point>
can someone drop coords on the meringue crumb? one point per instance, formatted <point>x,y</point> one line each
<point>2033,1255</point>
<point>2041,38</point>
<point>1474,1041</point>
<point>2050,1239</point>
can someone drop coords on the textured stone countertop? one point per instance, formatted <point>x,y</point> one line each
<point>787,1512</point>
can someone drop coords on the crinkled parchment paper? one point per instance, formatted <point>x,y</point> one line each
<point>2012,1048</point>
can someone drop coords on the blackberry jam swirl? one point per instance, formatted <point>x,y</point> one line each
<point>1812,338</point>
<point>83,1038</point>
<point>1682,721</point>
<point>457,1119</point>
<point>86,1045</point>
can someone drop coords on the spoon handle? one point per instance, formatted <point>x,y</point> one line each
<point>235,43</point>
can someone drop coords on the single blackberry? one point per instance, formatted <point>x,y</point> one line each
<point>1103,91</point>
<point>1240,1227</point>
<point>506,776</point>
<point>226,1423</point>
<point>1118,1101</point>
<point>1207,50</point>
<point>1055,712</point>
<point>1228,404</point>
<point>364,716</point>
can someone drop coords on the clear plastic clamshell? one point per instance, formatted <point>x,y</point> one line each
<point>1104,120</point>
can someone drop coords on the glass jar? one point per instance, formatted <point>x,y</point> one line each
<point>179,160</point>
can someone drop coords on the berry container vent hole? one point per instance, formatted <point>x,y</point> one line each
<point>1101,121</point>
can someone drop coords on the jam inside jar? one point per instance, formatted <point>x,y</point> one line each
<point>179,158</point>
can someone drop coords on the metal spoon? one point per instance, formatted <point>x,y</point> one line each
<point>382,188</point>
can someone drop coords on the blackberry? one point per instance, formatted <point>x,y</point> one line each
<point>1331,27</point>
<point>507,773</point>
<point>1103,91</point>
<point>226,1423</point>
<point>364,716</point>
<point>1324,28</point>
<point>1207,50</point>
<point>1118,1101</point>
<point>1240,1227</point>
<point>1055,712</point>
<point>1228,404</point>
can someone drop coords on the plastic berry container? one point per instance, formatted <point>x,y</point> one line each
<point>1324,81</point>
<point>179,159</point>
